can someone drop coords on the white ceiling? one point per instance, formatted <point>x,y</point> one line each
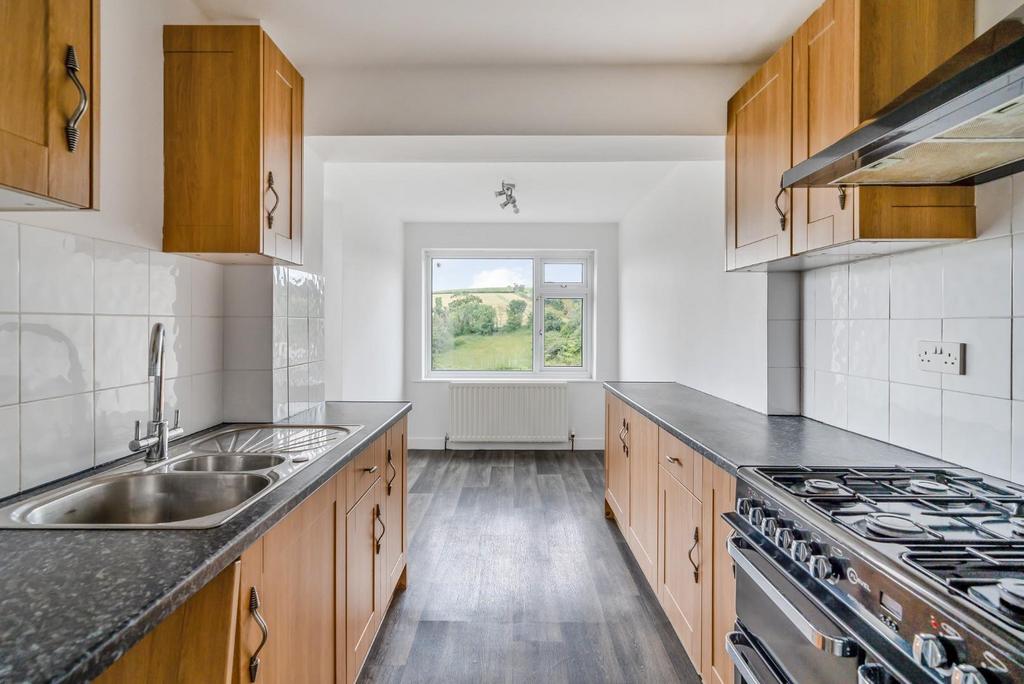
<point>586,192</point>
<point>527,32</point>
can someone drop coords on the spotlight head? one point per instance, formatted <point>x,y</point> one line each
<point>506,203</point>
<point>515,208</point>
<point>499,193</point>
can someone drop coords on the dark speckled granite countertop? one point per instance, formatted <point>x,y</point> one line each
<point>72,601</point>
<point>733,436</point>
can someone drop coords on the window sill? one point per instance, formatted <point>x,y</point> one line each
<point>576,379</point>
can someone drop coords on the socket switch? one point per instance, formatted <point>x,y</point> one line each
<point>941,357</point>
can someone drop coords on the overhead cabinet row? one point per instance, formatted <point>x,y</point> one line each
<point>848,61</point>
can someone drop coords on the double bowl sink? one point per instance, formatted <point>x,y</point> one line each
<point>202,484</point>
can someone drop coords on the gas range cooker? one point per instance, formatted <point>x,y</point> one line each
<point>922,568</point>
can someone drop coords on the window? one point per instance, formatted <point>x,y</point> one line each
<point>492,313</point>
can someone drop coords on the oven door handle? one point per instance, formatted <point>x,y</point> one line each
<point>733,642</point>
<point>841,647</point>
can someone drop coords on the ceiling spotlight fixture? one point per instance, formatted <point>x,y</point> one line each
<point>507,193</point>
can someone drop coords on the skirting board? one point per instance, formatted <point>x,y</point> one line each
<point>582,443</point>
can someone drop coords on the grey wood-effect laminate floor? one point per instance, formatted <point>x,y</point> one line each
<point>515,575</point>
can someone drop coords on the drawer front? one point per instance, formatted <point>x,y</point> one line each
<point>680,461</point>
<point>366,468</point>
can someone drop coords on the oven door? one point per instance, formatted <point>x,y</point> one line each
<point>783,636</point>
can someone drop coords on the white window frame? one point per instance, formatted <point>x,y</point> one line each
<point>541,291</point>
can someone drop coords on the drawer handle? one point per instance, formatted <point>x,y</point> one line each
<point>689,554</point>
<point>383,530</point>
<point>71,129</point>
<point>673,459</point>
<point>371,469</point>
<point>254,608</point>
<point>277,200</point>
<point>391,465</point>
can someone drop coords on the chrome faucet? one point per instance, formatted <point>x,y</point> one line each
<point>159,432</point>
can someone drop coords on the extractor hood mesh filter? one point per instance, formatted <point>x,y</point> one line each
<point>985,142</point>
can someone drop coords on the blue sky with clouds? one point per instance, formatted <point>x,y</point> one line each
<point>463,274</point>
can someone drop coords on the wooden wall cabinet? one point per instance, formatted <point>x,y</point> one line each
<point>851,58</point>
<point>232,145</point>
<point>38,168</point>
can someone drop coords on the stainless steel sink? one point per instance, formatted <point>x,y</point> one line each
<point>204,483</point>
<point>235,463</point>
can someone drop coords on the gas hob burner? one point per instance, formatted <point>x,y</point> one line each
<point>819,486</point>
<point>920,486</point>
<point>1017,526</point>
<point>1011,593</point>
<point>889,525</point>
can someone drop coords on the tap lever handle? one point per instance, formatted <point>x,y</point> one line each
<point>177,419</point>
<point>138,430</point>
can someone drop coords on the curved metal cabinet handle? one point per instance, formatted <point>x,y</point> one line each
<point>277,200</point>
<point>383,530</point>
<point>71,129</point>
<point>841,647</point>
<point>391,464</point>
<point>673,459</point>
<point>842,197</point>
<point>689,554</point>
<point>371,469</point>
<point>254,608</point>
<point>782,214</point>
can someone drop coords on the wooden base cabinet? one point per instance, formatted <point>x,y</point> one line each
<point>616,461</point>
<point>718,600</point>
<point>364,577</point>
<point>395,507</point>
<point>680,556</point>
<point>642,534</point>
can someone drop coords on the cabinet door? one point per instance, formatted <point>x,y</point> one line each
<point>825,108</point>
<point>363,577</point>
<point>395,507</point>
<point>40,98</point>
<point>282,155</point>
<point>758,151</point>
<point>298,574</point>
<point>718,597</point>
<point>643,494</point>
<point>679,561</point>
<point>616,460</point>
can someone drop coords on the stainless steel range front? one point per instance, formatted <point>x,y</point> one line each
<point>877,575</point>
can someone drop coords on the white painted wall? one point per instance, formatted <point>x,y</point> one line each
<point>363,266</point>
<point>429,422</point>
<point>541,100</point>
<point>682,317</point>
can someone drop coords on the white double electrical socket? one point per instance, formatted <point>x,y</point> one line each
<point>941,357</point>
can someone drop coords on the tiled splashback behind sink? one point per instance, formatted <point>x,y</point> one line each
<point>243,343</point>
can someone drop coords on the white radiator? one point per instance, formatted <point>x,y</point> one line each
<point>508,412</point>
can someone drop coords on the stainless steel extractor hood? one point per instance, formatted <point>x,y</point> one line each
<point>963,124</point>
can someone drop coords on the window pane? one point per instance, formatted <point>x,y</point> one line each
<point>563,333</point>
<point>563,273</point>
<point>481,314</point>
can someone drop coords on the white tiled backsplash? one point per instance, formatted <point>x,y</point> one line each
<point>75,316</point>
<point>861,324</point>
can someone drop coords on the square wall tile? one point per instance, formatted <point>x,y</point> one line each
<point>298,341</point>
<point>807,392</point>
<point>1018,270</point>
<point>9,359</point>
<point>976,279</point>
<point>280,292</point>
<point>830,398</point>
<point>869,349</point>
<point>915,281</point>
<point>783,391</point>
<point>298,389</point>
<point>170,284</point>
<point>807,327</point>
<point>56,356</point>
<point>177,344</point>
<point>832,346</point>
<point>1017,441</point>
<point>248,290</point>
<point>976,432</point>
<point>248,342</point>
<point>994,202</point>
<point>1016,362</point>
<point>207,344</point>
<point>8,266</point>
<point>207,400</point>
<point>298,293</point>
<point>783,296</point>
<point>915,418</point>
<point>10,458</point>
<point>903,339</point>
<point>867,410</point>
<point>988,355</point>
<point>56,271</point>
<point>832,297</point>
<point>869,288</point>
<point>207,288</point>
<point>808,287</point>
<point>178,397</point>
<point>122,279</point>
<point>317,332</point>
<point>122,350</point>
<point>318,289</point>
<point>317,384</point>
<point>248,395</point>
<point>280,342</point>
<point>116,413</point>
<point>280,393</point>
<point>61,438</point>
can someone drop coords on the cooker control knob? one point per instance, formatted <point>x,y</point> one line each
<point>929,650</point>
<point>821,567</point>
<point>784,537</point>
<point>743,506</point>
<point>769,526</point>
<point>965,674</point>
<point>800,551</point>
<point>755,516</point>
